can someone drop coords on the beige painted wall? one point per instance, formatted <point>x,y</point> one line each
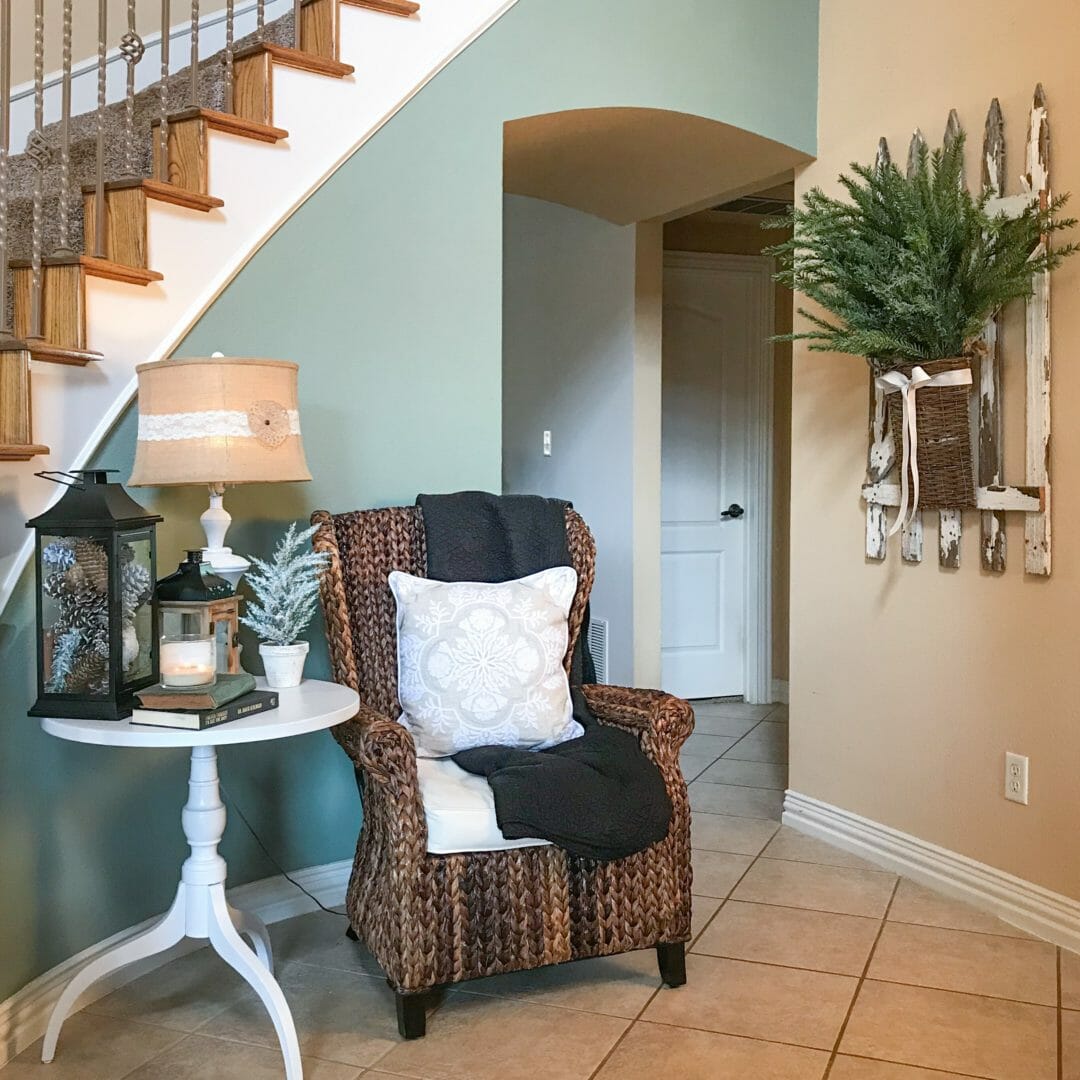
<point>84,27</point>
<point>736,234</point>
<point>909,683</point>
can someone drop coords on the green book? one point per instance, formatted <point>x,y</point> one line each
<point>227,688</point>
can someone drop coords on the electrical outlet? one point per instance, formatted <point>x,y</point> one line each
<point>1016,778</point>
<point>547,444</point>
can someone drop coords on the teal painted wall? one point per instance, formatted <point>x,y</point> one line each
<point>386,287</point>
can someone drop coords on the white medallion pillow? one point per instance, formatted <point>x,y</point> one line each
<point>482,664</point>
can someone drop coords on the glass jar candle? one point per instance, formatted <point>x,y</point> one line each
<point>188,660</point>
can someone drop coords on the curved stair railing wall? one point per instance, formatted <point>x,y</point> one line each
<point>135,183</point>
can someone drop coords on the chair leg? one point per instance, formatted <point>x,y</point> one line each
<point>672,960</point>
<point>351,934</point>
<point>411,1017</point>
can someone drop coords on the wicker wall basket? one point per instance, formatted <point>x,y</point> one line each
<point>943,450</point>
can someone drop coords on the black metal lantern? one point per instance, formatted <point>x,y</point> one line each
<point>97,634</point>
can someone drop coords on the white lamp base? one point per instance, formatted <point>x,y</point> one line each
<point>215,521</point>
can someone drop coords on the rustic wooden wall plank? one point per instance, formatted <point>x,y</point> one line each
<point>1037,525</point>
<point>991,438</point>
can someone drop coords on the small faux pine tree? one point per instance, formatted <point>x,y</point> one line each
<point>286,589</point>
<point>911,267</point>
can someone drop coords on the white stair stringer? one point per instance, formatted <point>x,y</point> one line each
<point>199,254</point>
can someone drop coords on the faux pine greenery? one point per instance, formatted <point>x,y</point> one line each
<point>911,267</point>
<point>286,588</point>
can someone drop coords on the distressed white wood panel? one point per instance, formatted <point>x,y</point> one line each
<point>999,497</point>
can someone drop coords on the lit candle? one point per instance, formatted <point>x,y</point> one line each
<point>188,660</point>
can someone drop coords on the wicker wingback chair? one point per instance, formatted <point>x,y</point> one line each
<point>432,920</point>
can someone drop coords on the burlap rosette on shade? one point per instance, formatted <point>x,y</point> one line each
<point>931,427</point>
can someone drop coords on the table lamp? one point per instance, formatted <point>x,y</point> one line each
<point>218,420</point>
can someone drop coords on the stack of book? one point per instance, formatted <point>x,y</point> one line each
<point>230,698</point>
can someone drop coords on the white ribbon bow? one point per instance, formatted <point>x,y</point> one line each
<point>897,382</point>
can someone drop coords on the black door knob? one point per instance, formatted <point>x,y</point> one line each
<point>733,511</point>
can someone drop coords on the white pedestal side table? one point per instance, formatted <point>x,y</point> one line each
<point>200,909</point>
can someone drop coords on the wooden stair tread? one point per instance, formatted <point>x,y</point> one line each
<point>21,452</point>
<point>103,268</point>
<point>297,58</point>
<point>232,125</point>
<point>164,192</point>
<point>391,7</point>
<point>45,353</point>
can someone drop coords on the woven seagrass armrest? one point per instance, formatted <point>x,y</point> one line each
<point>381,747</point>
<point>665,720</point>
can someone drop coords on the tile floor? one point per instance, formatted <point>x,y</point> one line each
<point>807,963</point>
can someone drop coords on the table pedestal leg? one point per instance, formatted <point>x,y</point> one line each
<point>201,911</point>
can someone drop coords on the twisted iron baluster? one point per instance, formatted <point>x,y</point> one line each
<point>260,20</point>
<point>99,168</point>
<point>229,29</point>
<point>5,138</point>
<point>163,106</point>
<point>297,4</point>
<point>38,151</point>
<point>194,54</point>
<point>132,50</point>
<point>64,207</point>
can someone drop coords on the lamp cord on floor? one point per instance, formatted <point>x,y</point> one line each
<point>234,806</point>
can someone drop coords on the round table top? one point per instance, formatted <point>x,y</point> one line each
<point>311,706</point>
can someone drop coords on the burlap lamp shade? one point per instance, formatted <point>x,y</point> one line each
<point>218,420</point>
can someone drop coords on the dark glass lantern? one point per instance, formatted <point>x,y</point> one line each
<point>196,601</point>
<point>97,635</point>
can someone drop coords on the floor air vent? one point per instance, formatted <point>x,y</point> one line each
<point>598,646</point>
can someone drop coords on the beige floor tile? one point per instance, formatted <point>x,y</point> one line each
<point>654,1051</point>
<point>340,1015</point>
<point>937,1029</point>
<point>916,904</point>
<point>200,1058</point>
<point>716,872</point>
<point>722,832</point>
<point>737,801</point>
<point>797,847</point>
<point>319,939</point>
<point>1070,980</point>
<point>1070,1045</point>
<point>611,985</point>
<point>693,766</point>
<point>841,889</point>
<point>183,994</point>
<point>757,1001</point>
<point>767,742</point>
<point>702,910</point>
<point>480,1038</point>
<point>93,1048</point>
<point>702,745</point>
<point>756,774</point>
<point>707,723</point>
<point>737,710</point>
<point>969,963</point>
<point>818,940</point>
<point>849,1068</point>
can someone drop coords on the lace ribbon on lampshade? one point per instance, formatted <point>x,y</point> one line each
<point>223,423</point>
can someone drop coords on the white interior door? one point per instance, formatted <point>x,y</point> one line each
<point>712,335</point>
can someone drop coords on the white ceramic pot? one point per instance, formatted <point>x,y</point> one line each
<point>283,664</point>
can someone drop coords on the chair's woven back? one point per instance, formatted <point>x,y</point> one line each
<point>364,546</point>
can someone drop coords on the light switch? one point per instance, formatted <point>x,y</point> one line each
<point>547,444</point>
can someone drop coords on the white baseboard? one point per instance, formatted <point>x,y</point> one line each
<point>780,691</point>
<point>1021,903</point>
<point>24,1015</point>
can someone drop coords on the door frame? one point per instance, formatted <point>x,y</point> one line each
<point>757,675</point>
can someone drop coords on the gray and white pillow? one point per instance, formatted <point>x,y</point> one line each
<point>482,664</point>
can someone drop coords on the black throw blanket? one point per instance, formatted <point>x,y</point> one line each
<point>596,796</point>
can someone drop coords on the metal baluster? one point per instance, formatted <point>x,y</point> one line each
<point>99,168</point>
<point>64,206</point>
<point>229,30</point>
<point>194,54</point>
<point>38,151</point>
<point>260,20</point>
<point>163,107</point>
<point>132,50</point>
<point>297,4</point>
<point>5,138</point>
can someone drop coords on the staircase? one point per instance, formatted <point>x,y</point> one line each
<point>182,214</point>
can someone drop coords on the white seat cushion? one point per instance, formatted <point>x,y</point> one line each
<point>460,810</point>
